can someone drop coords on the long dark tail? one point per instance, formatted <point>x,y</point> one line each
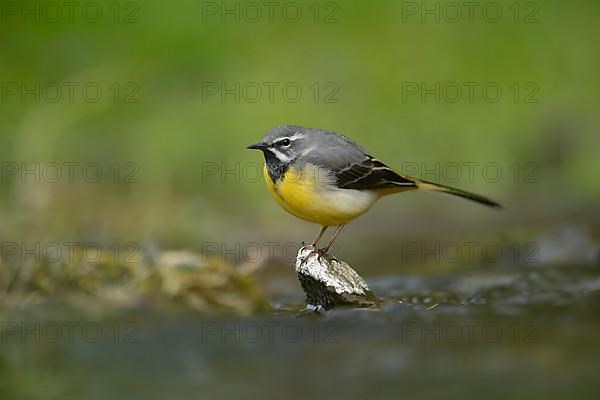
<point>436,187</point>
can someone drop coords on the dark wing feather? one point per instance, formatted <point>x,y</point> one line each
<point>370,174</point>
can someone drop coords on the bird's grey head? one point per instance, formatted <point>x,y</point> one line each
<point>283,145</point>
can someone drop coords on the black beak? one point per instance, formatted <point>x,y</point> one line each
<point>257,146</point>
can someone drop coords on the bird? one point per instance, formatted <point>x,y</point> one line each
<point>328,179</point>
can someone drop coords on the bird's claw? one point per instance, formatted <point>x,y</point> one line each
<point>321,254</point>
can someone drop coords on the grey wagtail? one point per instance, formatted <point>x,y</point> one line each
<point>328,179</point>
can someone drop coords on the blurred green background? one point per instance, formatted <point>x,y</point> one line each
<point>159,123</point>
<point>175,130</point>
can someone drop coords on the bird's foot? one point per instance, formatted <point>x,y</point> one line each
<point>322,254</point>
<point>311,249</point>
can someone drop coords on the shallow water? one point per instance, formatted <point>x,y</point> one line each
<point>482,333</point>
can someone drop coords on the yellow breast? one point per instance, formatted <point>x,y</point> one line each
<point>310,195</point>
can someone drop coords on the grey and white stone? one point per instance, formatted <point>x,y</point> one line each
<point>330,283</point>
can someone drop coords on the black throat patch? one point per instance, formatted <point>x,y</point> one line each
<point>275,167</point>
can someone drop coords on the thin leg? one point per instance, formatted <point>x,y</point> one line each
<point>336,233</point>
<point>321,232</point>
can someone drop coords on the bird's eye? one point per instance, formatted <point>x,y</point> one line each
<point>285,142</point>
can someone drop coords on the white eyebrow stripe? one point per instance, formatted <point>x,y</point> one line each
<point>295,136</point>
<point>280,156</point>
